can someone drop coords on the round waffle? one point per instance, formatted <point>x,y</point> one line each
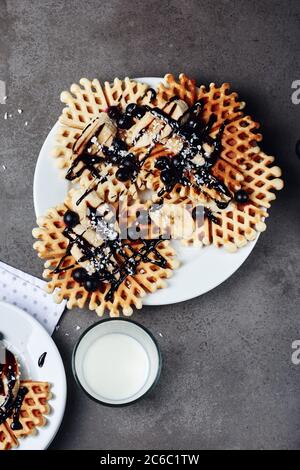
<point>52,245</point>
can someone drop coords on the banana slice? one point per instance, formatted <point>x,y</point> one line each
<point>174,219</point>
<point>101,131</point>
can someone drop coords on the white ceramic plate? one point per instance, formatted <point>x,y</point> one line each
<point>28,340</point>
<point>201,269</point>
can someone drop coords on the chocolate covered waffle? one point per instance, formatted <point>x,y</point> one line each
<point>89,262</point>
<point>189,141</point>
<point>23,404</point>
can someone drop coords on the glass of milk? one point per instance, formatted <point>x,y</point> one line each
<point>116,362</point>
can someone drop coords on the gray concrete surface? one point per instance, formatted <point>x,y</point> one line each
<point>228,380</point>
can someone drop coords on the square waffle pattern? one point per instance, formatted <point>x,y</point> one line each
<point>33,413</point>
<point>242,164</point>
<point>83,103</point>
<point>51,246</point>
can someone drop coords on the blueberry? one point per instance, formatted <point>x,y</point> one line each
<point>177,161</point>
<point>92,283</point>
<point>114,112</point>
<point>192,123</point>
<point>111,153</point>
<point>79,275</point>
<point>125,122</point>
<point>123,174</point>
<point>130,162</point>
<point>221,204</point>
<point>135,110</point>
<point>241,196</point>
<point>71,219</point>
<point>166,177</point>
<point>130,108</point>
<point>139,112</point>
<point>119,144</point>
<point>127,161</point>
<point>162,163</point>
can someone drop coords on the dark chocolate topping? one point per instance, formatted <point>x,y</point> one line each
<point>16,425</point>
<point>41,360</point>
<point>113,261</point>
<point>181,169</point>
<point>152,92</point>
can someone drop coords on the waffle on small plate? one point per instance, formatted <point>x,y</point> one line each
<point>24,411</point>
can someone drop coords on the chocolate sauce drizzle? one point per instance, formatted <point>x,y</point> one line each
<point>41,360</point>
<point>16,425</point>
<point>89,160</point>
<point>11,406</point>
<point>117,154</point>
<point>190,127</point>
<point>210,215</point>
<point>115,259</point>
<point>152,92</point>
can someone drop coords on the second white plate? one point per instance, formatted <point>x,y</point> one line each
<point>201,269</point>
<point>29,340</point>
